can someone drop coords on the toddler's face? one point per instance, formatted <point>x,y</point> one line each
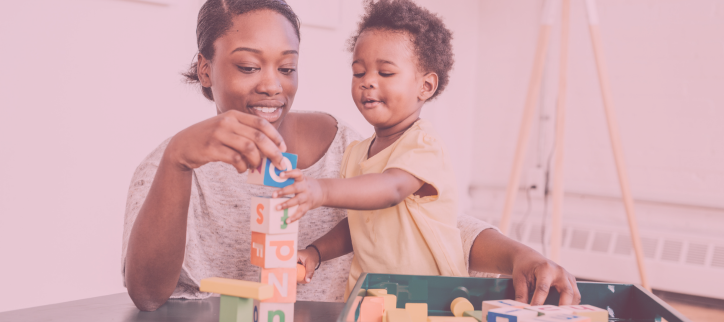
<point>386,82</point>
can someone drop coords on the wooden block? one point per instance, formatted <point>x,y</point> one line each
<point>301,273</point>
<point>595,313</point>
<point>398,315</point>
<point>376,292</point>
<point>390,301</point>
<point>372,309</point>
<point>548,309</point>
<point>489,305</point>
<point>460,305</point>
<point>417,311</point>
<point>508,314</point>
<point>238,288</point>
<point>273,251</point>
<point>268,175</point>
<point>561,318</point>
<point>284,283</point>
<point>268,220</point>
<point>273,312</point>
<point>451,319</point>
<point>235,309</point>
<point>478,315</point>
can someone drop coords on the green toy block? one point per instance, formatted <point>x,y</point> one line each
<point>236,309</point>
<point>478,315</point>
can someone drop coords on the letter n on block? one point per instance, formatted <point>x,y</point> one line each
<point>284,281</point>
<point>274,251</point>
<point>273,312</point>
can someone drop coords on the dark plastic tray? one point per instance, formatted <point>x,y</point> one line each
<point>625,302</point>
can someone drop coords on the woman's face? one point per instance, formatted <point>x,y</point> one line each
<point>254,68</point>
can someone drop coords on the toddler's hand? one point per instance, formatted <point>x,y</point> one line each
<point>309,259</point>
<point>308,194</point>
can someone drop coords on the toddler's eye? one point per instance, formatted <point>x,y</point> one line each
<point>287,71</point>
<point>386,74</point>
<point>358,75</point>
<point>247,70</point>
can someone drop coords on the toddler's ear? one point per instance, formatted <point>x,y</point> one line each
<point>428,86</point>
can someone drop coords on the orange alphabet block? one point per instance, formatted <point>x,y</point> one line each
<point>284,282</point>
<point>273,251</point>
<point>372,309</point>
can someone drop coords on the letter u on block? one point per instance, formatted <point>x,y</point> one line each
<point>284,282</point>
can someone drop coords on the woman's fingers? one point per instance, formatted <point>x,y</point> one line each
<point>232,157</point>
<point>270,142</point>
<point>543,280</point>
<point>563,285</point>
<point>520,284</point>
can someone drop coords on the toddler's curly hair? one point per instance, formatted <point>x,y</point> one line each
<point>430,37</point>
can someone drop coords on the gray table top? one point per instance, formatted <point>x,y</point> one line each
<point>119,308</point>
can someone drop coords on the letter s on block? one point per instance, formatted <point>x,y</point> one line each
<point>260,213</point>
<point>279,244</point>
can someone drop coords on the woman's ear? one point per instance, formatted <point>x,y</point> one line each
<point>203,69</point>
<point>429,86</point>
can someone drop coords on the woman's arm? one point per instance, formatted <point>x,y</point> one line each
<point>492,252</point>
<point>364,192</point>
<point>157,241</point>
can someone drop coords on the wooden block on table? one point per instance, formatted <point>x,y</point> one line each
<point>371,309</point>
<point>376,292</point>
<point>273,251</point>
<point>238,288</point>
<point>235,309</point>
<point>398,315</point>
<point>390,301</point>
<point>460,305</point>
<point>451,319</point>
<point>595,313</point>
<point>284,282</point>
<point>561,318</point>
<point>268,175</point>
<point>496,304</point>
<point>508,314</point>
<point>273,312</point>
<point>269,220</point>
<point>478,315</point>
<point>548,309</point>
<point>417,311</point>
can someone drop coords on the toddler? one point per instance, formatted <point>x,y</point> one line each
<point>398,184</point>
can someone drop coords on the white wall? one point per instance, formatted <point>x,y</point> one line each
<point>91,87</point>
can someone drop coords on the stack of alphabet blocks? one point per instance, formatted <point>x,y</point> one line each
<point>273,249</point>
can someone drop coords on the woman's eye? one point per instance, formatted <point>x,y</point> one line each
<point>386,74</point>
<point>287,71</point>
<point>358,75</point>
<point>248,70</point>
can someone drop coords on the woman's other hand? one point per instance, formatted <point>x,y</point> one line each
<point>309,259</point>
<point>233,137</point>
<point>308,194</point>
<point>532,271</point>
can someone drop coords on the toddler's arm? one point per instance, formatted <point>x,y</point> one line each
<point>365,192</point>
<point>335,243</point>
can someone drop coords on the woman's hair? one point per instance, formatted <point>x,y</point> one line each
<point>215,18</point>
<point>428,33</point>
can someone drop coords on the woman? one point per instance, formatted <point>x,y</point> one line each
<point>187,215</point>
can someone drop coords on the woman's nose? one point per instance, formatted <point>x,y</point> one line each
<point>269,84</point>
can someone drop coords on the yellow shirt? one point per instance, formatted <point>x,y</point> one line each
<point>419,235</point>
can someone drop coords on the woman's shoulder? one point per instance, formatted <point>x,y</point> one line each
<point>329,126</point>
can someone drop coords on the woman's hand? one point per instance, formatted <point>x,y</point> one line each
<point>309,259</point>
<point>308,194</point>
<point>233,137</point>
<point>533,271</point>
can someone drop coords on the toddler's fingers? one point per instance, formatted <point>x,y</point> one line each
<point>309,265</point>
<point>295,174</point>
<point>288,204</point>
<point>301,210</point>
<point>288,190</point>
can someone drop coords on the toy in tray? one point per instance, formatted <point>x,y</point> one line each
<point>274,250</point>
